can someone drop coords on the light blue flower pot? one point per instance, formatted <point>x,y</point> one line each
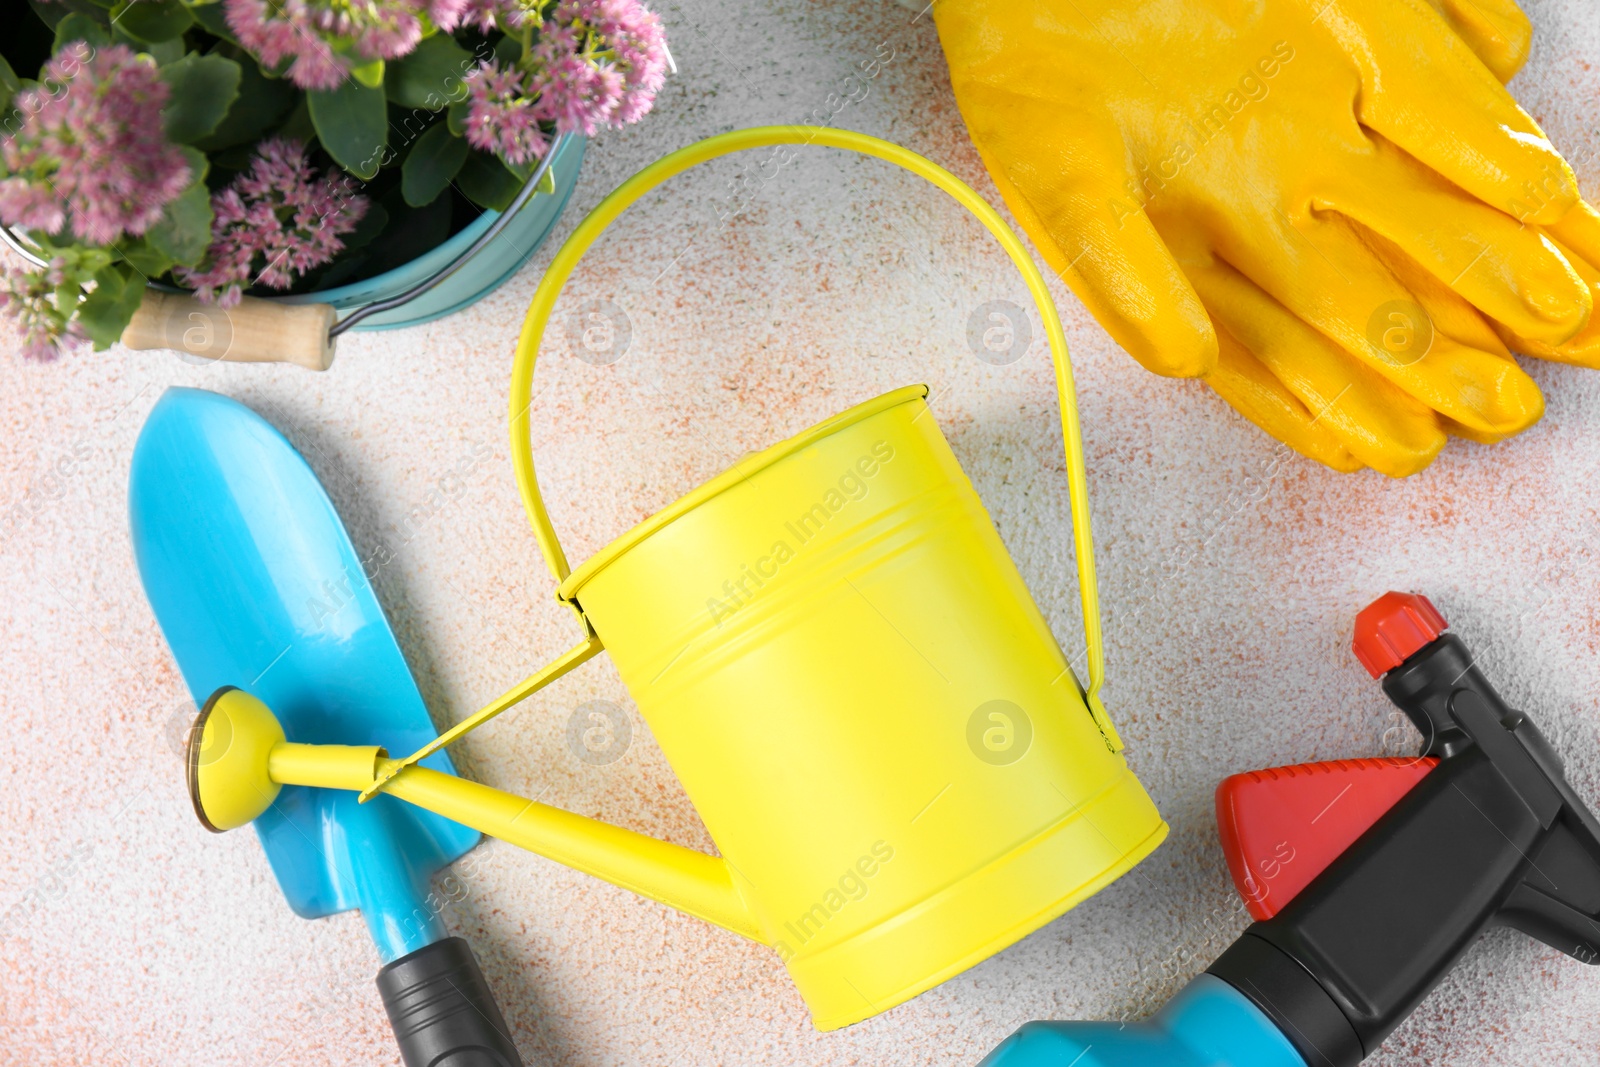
<point>476,278</point>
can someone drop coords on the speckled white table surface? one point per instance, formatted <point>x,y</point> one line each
<point>1230,573</point>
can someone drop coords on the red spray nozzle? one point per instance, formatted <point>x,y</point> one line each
<point>1393,628</point>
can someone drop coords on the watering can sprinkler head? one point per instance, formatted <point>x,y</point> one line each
<point>238,760</point>
<point>227,755</point>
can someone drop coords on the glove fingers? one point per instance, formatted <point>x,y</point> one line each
<point>1378,423</point>
<point>1443,307</point>
<point>1505,269</point>
<point>1577,238</point>
<point>1423,90</point>
<point>1582,349</point>
<point>1579,230</point>
<point>1321,271</point>
<point>1254,392</point>
<point>1497,31</point>
<point>1455,429</point>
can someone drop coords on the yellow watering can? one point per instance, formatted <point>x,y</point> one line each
<point>840,660</point>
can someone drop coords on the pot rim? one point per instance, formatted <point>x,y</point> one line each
<point>359,293</point>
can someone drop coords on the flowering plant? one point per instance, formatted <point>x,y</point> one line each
<point>230,146</point>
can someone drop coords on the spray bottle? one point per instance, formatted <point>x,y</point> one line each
<point>1369,878</point>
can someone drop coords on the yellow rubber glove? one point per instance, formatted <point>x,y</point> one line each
<point>1330,210</point>
<point>1496,30</point>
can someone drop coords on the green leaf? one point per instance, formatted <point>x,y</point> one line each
<point>50,13</point>
<point>298,125</point>
<point>203,89</point>
<point>485,181</point>
<point>352,123</point>
<point>369,74</point>
<point>457,118</point>
<point>239,157</point>
<point>9,83</point>
<point>165,53</point>
<point>214,21</point>
<point>184,232</point>
<point>432,76</point>
<point>80,27</point>
<point>524,171</point>
<point>433,160</point>
<point>152,21</point>
<point>146,260</point>
<point>106,312</point>
<point>199,164</point>
<point>260,105</point>
<point>372,224</point>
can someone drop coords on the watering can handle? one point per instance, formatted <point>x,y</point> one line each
<point>561,267</point>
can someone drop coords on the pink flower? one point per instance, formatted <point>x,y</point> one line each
<point>90,148</point>
<point>317,38</point>
<point>44,301</point>
<point>27,299</point>
<point>273,223</point>
<point>31,205</point>
<point>638,47</point>
<point>501,117</point>
<point>483,15</point>
<point>596,63</point>
<point>575,92</point>
<point>599,63</point>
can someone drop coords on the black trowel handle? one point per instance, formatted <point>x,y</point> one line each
<point>442,1010</point>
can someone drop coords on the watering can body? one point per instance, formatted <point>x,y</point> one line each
<point>841,662</point>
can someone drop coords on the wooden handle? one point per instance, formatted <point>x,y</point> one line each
<point>253,331</point>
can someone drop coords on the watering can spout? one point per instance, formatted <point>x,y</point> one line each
<point>238,760</point>
<point>678,877</point>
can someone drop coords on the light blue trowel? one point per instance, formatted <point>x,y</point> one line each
<point>252,576</point>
